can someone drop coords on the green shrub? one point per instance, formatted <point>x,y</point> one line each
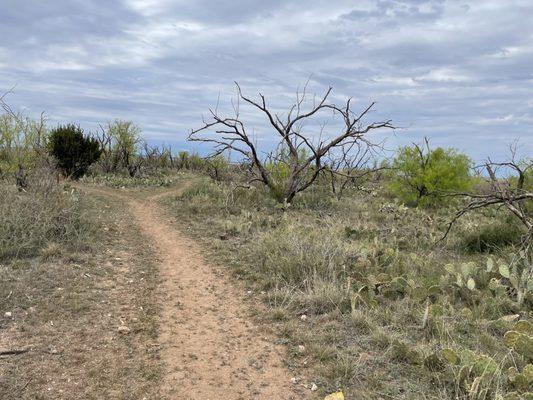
<point>125,137</point>
<point>279,174</point>
<point>491,237</point>
<point>182,160</point>
<point>21,140</point>
<point>218,168</point>
<point>190,161</point>
<point>195,162</point>
<point>421,176</point>
<point>73,151</point>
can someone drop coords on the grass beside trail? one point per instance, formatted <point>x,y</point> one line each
<point>76,298</point>
<point>362,285</point>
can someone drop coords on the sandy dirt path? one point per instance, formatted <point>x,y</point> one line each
<point>210,346</point>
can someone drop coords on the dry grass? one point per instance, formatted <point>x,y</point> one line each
<point>43,215</point>
<point>81,273</point>
<point>162,179</point>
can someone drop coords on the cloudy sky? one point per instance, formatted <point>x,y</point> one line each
<point>460,72</point>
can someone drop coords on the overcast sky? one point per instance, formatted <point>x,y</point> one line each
<point>460,72</point>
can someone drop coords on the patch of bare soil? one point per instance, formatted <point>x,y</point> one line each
<point>211,347</point>
<point>82,326</point>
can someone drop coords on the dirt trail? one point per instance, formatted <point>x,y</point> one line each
<point>211,348</point>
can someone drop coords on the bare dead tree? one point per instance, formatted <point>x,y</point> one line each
<point>106,145</point>
<point>155,157</point>
<point>134,164</point>
<point>351,164</point>
<point>509,193</point>
<point>307,150</point>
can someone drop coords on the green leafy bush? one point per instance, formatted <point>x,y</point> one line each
<point>188,161</point>
<point>424,174</point>
<point>74,151</point>
<point>125,137</point>
<point>218,168</point>
<point>279,173</point>
<point>21,141</point>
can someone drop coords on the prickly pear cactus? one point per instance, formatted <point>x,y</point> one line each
<point>520,339</point>
<point>467,275</point>
<point>396,288</point>
<point>518,275</point>
<point>365,296</point>
<point>451,356</point>
<point>472,372</point>
<point>521,380</point>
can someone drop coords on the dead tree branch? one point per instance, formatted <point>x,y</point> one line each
<point>350,164</point>
<point>510,193</point>
<point>306,151</point>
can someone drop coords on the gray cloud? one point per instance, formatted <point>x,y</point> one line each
<point>457,71</point>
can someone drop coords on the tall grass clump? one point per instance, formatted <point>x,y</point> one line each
<point>207,195</point>
<point>45,214</point>
<point>298,256</point>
